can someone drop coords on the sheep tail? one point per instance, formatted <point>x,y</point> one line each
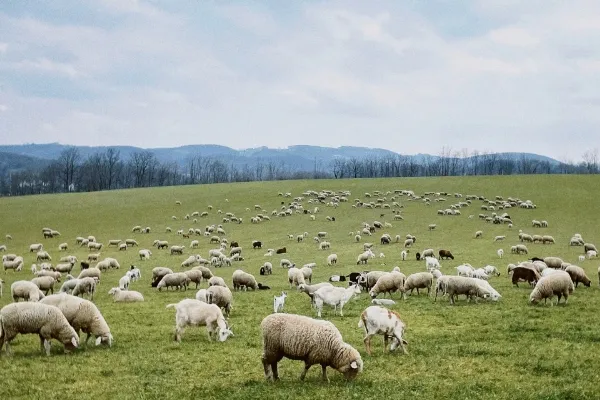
<point>362,323</point>
<point>171,305</point>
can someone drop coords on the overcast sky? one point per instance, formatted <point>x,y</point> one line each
<point>411,76</point>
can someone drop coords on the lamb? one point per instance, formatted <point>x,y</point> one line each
<point>124,282</point>
<point>217,281</point>
<point>404,255</point>
<point>176,279</point>
<point>478,235</point>
<point>266,269</point>
<point>82,315</point>
<point>419,280</point>
<point>525,273</point>
<point>558,283</point>
<point>221,296</point>
<point>244,280</point>
<point>279,302</point>
<point>491,270</point>
<point>158,273</point>
<point>25,290</point>
<point>256,244</point>
<point>500,253</point>
<point>302,338</point>
<point>432,263</point>
<point>45,320</point>
<point>85,285</point>
<point>192,312</point>
<point>332,259</point>
<point>445,254</point>
<point>465,270</point>
<point>364,257</point>
<point>378,320</point>
<point>144,254</point>
<point>383,302</point>
<point>499,238</point>
<point>125,296</point>
<point>282,250</point>
<point>335,297</point>
<point>202,295</point>
<point>195,276</point>
<point>388,283</point>
<point>295,277</point>
<point>577,275</point>
<point>285,263</point>
<point>591,254</point>
<point>45,283</point>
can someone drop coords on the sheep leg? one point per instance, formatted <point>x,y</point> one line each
<point>267,368</point>
<point>385,343</point>
<point>304,371</point>
<point>417,291</point>
<point>324,369</point>
<point>367,341</point>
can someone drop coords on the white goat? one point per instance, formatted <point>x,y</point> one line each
<point>279,302</point>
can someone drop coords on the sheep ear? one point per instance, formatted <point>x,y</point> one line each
<point>98,341</point>
<point>74,341</point>
<point>353,365</point>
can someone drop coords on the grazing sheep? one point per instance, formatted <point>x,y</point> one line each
<point>500,253</point>
<point>25,290</point>
<point>457,285</point>
<point>427,253</point>
<point>176,279</point>
<point>82,315</point>
<point>221,296</point>
<point>279,302</point>
<point>125,296</point>
<point>44,283</point>
<point>16,264</point>
<point>525,273</point>
<point>553,262</point>
<point>521,249</point>
<point>376,320</point>
<point>144,254</point>
<point>86,285</point>
<point>332,259</point>
<point>419,280</point>
<point>192,312</point>
<point>389,282</point>
<point>432,263</point>
<point>243,280</point>
<point>217,281</point>
<point>478,235</point>
<point>45,320</point>
<point>577,275</point>
<point>177,249</point>
<point>92,272</point>
<point>107,264</point>
<point>557,284</point>
<point>313,341</point>
<point>445,254</point>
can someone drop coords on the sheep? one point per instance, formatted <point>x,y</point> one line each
<point>25,290</point>
<point>192,312</point>
<point>445,254</point>
<point>558,283</point>
<point>82,315</point>
<point>589,246</point>
<point>43,256</point>
<point>175,279</point>
<point>388,283</point>
<point>285,263</point>
<point>427,253</point>
<point>279,302</point>
<point>134,273</point>
<point>335,297</point>
<point>591,254</point>
<point>34,248</point>
<point>92,272</point>
<point>124,282</point>
<point>456,285</point>
<point>216,281</point>
<point>125,296</point>
<point>465,270</point>
<point>176,250</point>
<point>16,264</point>
<point>54,274</point>
<point>419,280</point>
<point>376,320</point>
<point>307,273</point>
<point>244,280</point>
<point>404,254</point>
<point>45,283</point>
<point>521,249</point>
<point>547,239</point>
<point>282,250</point>
<point>364,257</point>
<point>369,279</point>
<point>526,273</point>
<point>432,263</point>
<point>94,246</point>
<point>86,285</point>
<point>577,275</point>
<point>266,269</point>
<point>408,243</point>
<point>311,289</point>
<point>313,341</point>
<point>491,270</point>
<point>108,263</point>
<point>256,244</point>
<point>581,258</point>
<point>221,296</point>
<point>45,320</point>
<point>478,235</point>
<point>68,286</point>
<point>383,302</point>
<point>500,253</point>
<point>93,257</point>
<point>553,262</point>
<point>144,254</point>
<point>332,259</point>
<point>499,238</point>
<point>295,276</point>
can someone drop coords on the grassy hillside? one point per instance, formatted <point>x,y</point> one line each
<point>504,350</point>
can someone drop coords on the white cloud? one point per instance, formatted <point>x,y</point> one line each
<point>3,108</point>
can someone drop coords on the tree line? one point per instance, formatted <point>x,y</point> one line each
<point>107,170</point>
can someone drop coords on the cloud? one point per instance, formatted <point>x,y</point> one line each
<point>400,75</point>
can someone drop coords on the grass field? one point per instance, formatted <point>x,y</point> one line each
<point>504,350</point>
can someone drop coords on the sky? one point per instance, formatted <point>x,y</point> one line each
<point>412,76</point>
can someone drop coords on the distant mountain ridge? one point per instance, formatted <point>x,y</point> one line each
<point>298,157</point>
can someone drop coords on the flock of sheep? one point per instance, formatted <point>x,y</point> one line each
<point>62,315</point>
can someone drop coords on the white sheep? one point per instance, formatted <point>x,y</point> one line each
<point>82,315</point>
<point>500,253</point>
<point>25,290</point>
<point>176,279</point>
<point>404,254</point>
<point>558,283</point>
<point>192,312</point>
<point>243,280</point>
<point>279,302</point>
<point>134,273</point>
<point>334,296</point>
<point>313,341</point>
<point>332,259</point>
<point>388,282</point>
<point>122,296</point>
<point>124,282</point>
<point>478,234</point>
<point>216,281</point>
<point>376,320</point>
<point>432,263</point>
<point>221,296</point>
<point>144,254</point>
<point>32,317</point>
<point>419,280</point>
<point>456,285</point>
<point>86,285</point>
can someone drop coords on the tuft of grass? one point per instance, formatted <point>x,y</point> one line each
<point>501,350</point>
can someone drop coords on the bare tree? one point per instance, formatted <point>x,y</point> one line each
<point>140,163</point>
<point>590,160</point>
<point>68,161</point>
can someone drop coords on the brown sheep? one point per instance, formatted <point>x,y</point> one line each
<point>445,254</point>
<point>281,251</point>
<point>526,274</point>
<point>234,244</point>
